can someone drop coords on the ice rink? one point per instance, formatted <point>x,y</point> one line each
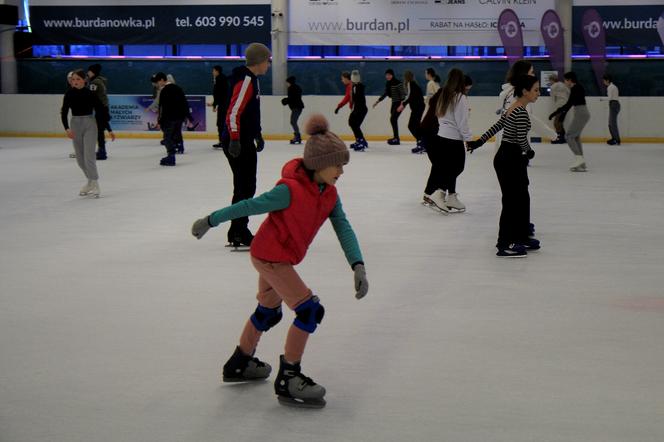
<point>115,321</point>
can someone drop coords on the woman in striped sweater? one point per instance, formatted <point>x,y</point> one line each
<point>510,163</point>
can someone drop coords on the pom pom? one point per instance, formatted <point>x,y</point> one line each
<point>317,124</point>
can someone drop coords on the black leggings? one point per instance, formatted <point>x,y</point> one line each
<point>414,122</point>
<point>355,121</point>
<point>394,117</point>
<point>448,159</point>
<point>512,170</point>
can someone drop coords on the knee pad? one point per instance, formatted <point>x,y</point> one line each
<point>309,314</point>
<point>265,318</point>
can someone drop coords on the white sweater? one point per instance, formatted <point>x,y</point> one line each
<point>454,124</point>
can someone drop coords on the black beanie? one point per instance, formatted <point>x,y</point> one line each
<point>95,69</point>
<point>291,80</point>
<point>389,71</point>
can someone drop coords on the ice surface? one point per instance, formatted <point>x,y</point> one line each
<point>115,321</point>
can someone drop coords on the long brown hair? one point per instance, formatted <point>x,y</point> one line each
<point>453,87</point>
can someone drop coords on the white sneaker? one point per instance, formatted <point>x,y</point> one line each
<point>452,202</point>
<point>438,200</point>
<point>94,188</point>
<point>86,189</point>
<point>579,164</point>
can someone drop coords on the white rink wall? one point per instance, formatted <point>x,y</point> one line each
<point>639,120</point>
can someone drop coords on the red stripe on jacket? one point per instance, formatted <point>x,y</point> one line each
<point>242,93</point>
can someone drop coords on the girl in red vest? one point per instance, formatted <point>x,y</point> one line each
<point>298,205</point>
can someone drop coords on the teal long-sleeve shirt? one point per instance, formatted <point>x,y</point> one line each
<point>278,199</point>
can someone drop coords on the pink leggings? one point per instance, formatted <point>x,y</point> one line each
<point>278,282</point>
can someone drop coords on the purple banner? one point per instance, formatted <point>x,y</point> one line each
<point>509,28</point>
<point>552,32</point>
<point>592,28</point>
<point>660,27</point>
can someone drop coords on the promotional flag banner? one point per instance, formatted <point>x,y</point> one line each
<point>595,38</point>
<point>660,27</point>
<point>509,28</point>
<point>552,33</point>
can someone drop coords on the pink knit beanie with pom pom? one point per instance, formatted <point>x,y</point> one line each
<point>323,148</point>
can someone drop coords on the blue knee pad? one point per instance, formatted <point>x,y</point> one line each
<point>265,318</point>
<point>309,314</point>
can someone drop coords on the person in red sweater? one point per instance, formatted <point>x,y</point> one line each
<point>298,205</point>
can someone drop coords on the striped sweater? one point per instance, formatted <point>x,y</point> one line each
<point>515,128</point>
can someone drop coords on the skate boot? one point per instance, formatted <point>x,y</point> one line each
<point>361,145</point>
<point>355,144</point>
<point>579,165</point>
<point>242,367</point>
<point>86,189</point>
<point>511,251</point>
<point>241,242</point>
<point>179,149</point>
<point>426,200</point>
<point>419,148</point>
<point>101,154</point>
<point>218,146</point>
<point>72,155</point>
<point>94,188</point>
<point>438,201</point>
<point>394,141</point>
<point>452,202</point>
<point>531,244</point>
<point>168,160</point>
<point>295,389</point>
<point>296,139</point>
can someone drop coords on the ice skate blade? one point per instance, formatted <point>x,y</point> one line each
<point>578,169</point>
<point>453,210</point>
<point>301,403</point>
<point>435,208</point>
<point>241,379</point>
<point>238,248</point>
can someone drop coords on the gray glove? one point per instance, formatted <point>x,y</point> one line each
<point>234,148</point>
<point>361,283</point>
<point>200,227</point>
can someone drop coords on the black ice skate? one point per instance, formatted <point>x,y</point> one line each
<point>241,367</point>
<point>241,243</point>
<point>167,161</point>
<point>295,389</point>
<point>394,141</point>
<point>297,139</point>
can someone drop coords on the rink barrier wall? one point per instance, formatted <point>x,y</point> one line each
<point>26,115</point>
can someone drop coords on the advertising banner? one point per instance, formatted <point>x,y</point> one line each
<point>146,24</point>
<point>552,32</point>
<point>592,27</point>
<point>130,112</point>
<point>410,22</point>
<point>660,27</point>
<point>625,25</point>
<point>511,35</point>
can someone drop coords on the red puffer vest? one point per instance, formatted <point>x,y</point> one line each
<point>286,234</point>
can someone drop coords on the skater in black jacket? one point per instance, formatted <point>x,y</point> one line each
<point>395,90</point>
<point>98,85</point>
<point>294,101</point>
<point>173,111</point>
<point>243,138</point>
<point>415,99</point>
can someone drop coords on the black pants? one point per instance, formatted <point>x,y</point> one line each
<point>172,130</point>
<point>414,122</point>
<point>394,117</point>
<point>355,120</point>
<point>512,170</point>
<point>221,122</point>
<point>294,116</point>
<point>448,159</point>
<point>101,138</point>
<point>244,183</point>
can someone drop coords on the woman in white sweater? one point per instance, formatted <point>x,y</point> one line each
<point>448,109</point>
